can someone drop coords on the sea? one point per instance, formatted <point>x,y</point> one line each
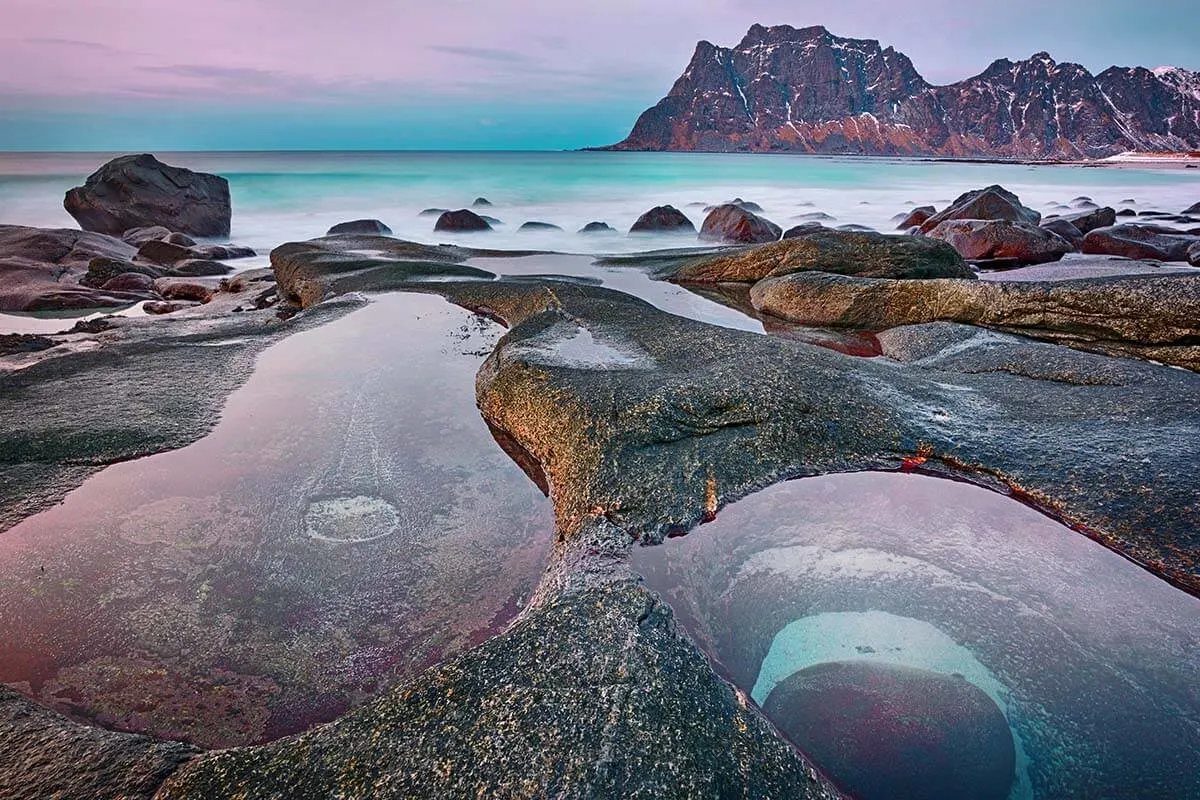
<point>288,196</point>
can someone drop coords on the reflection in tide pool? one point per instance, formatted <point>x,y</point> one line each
<point>870,594</point>
<point>349,522</point>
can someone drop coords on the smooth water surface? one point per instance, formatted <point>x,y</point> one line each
<point>349,522</point>
<point>1094,662</point>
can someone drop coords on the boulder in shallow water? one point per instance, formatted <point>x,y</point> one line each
<point>1063,228</point>
<point>481,202</point>
<point>181,239</point>
<point>539,226</point>
<point>733,223</point>
<point>991,203</point>
<point>433,212</point>
<point>825,250</point>
<point>139,190</point>
<point>461,221</point>
<point>977,239</point>
<point>916,217</point>
<point>1088,221</point>
<point>1192,209</point>
<point>368,226</point>
<point>1139,241</point>
<point>663,219</point>
<point>597,227</point>
<point>883,731</point>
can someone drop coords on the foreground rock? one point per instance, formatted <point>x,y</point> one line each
<point>600,676</point>
<point>461,221</point>
<point>733,223</point>
<point>824,250</point>
<point>1139,241</point>
<point>1063,228</point>
<point>44,756</point>
<point>1017,242</point>
<point>137,191</point>
<point>361,226</point>
<point>991,203</point>
<point>663,219</point>
<point>41,269</point>
<point>1152,317</point>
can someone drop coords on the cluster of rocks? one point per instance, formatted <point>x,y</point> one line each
<point>992,229</point>
<point>138,218</point>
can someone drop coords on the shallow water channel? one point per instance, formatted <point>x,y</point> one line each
<point>890,623</point>
<point>349,522</point>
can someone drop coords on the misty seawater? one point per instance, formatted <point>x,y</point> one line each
<point>289,196</point>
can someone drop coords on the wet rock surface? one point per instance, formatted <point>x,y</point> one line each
<point>41,268</point>
<point>46,756</point>
<point>1139,242</point>
<point>1149,316</point>
<point>463,220</point>
<point>823,250</point>
<point>139,191</point>
<point>371,227</point>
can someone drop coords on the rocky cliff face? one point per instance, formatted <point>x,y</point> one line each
<point>806,90</point>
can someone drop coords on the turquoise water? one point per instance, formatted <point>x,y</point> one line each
<point>297,195</point>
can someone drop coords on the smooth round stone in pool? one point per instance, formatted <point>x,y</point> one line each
<point>350,519</point>
<point>885,732</point>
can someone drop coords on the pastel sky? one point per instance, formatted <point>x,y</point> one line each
<point>441,74</point>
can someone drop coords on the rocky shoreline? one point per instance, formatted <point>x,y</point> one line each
<point>1075,395</point>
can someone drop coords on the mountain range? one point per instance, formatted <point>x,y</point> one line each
<point>807,90</point>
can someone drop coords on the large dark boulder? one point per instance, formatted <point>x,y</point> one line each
<point>883,731</point>
<point>916,217</point>
<point>733,223</point>
<point>663,219</point>
<point>825,250</point>
<point>992,203</point>
<point>978,240</point>
<point>1139,241</point>
<point>461,221</point>
<point>136,191</point>
<point>368,226</point>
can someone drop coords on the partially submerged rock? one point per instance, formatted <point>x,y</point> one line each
<point>597,227</point>
<point>977,240</point>
<point>991,203</point>
<point>372,227</point>
<point>539,226</point>
<point>1063,228</point>
<point>137,191</point>
<point>663,219</point>
<point>462,221</point>
<point>733,223</point>
<point>824,250</point>
<point>916,217</point>
<point>1087,221</point>
<point>1139,241</point>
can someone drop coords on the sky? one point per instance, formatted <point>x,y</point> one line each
<point>452,74</point>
